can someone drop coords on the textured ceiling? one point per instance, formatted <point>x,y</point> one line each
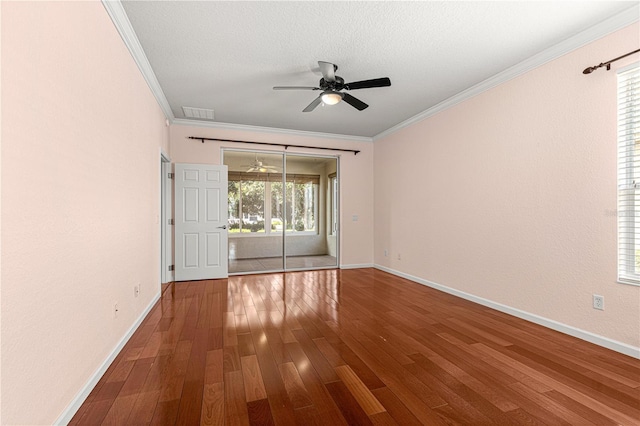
<point>227,56</point>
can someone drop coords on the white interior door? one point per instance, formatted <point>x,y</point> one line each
<point>200,222</point>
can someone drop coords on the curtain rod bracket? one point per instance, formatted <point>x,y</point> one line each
<point>607,64</point>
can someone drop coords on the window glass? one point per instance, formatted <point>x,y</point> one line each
<point>304,196</point>
<point>333,185</point>
<point>252,205</point>
<point>234,206</point>
<point>247,211</point>
<point>277,207</point>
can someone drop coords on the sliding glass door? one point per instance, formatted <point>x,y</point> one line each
<point>255,235</point>
<point>309,240</point>
<point>283,211</point>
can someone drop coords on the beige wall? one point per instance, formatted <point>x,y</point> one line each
<point>510,196</point>
<point>356,176</point>
<point>81,140</point>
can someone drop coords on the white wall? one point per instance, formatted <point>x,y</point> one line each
<point>356,176</point>
<point>511,195</point>
<point>250,246</point>
<point>81,140</point>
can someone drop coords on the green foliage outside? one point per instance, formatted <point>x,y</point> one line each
<point>299,214</point>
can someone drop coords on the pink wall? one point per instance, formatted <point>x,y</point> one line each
<point>510,196</point>
<point>81,140</point>
<point>356,175</point>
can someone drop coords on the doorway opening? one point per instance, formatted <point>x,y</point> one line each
<point>283,211</point>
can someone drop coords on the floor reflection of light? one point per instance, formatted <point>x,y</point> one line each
<point>276,318</point>
<point>263,338</point>
<point>304,365</point>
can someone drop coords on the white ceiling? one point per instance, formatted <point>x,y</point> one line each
<point>227,56</point>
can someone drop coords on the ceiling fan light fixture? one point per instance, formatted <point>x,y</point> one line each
<point>331,98</point>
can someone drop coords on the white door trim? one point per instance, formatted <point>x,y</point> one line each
<point>166,230</point>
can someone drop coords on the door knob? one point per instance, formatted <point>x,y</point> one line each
<point>222,227</point>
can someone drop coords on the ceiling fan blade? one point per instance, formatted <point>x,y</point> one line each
<point>313,104</point>
<point>295,88</point>
<point>365,84</point>
<point>328,71</point>
<point>354,102</point>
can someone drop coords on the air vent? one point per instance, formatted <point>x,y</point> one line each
<point>201,113</point>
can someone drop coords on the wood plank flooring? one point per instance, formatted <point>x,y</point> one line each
<point>358,347</point>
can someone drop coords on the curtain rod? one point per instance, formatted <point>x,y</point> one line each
<point>607,64</point>
<point>287,145</point>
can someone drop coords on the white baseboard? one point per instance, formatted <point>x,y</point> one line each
<point>75,404</point>
<point>357,266</point>
<point>596,339</point>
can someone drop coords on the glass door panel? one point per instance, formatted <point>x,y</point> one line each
<point>310,212</point>
<point>255,227</point>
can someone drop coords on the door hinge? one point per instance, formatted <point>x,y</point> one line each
<point>171,267</point>
<point>171,222</point>
<point>171,175</point>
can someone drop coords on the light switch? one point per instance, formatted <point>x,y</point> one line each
<point>354,218</point>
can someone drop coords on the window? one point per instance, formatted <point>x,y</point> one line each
<point>629,175</point>
<point>333,188</point>
<point>256,199</point>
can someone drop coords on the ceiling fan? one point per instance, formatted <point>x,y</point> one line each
<point>259,166</point>
<point>332,86</point>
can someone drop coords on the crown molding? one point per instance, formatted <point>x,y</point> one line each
<point>123,25</point>
<point>590,35</point>
<point>274,130</point>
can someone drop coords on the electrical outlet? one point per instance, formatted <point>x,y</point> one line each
<point>115,310</point>
<point>136,290</point>
<point>399,257</point>
<point>598,302</point>
<point>386,252</point>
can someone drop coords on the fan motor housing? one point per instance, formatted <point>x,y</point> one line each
<point>334,85</point>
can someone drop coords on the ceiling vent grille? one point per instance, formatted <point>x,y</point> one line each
<point>201,113</point>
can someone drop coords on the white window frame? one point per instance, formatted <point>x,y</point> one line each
<point>628,174</point>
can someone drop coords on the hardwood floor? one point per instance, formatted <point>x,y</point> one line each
<point>355,347</point>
